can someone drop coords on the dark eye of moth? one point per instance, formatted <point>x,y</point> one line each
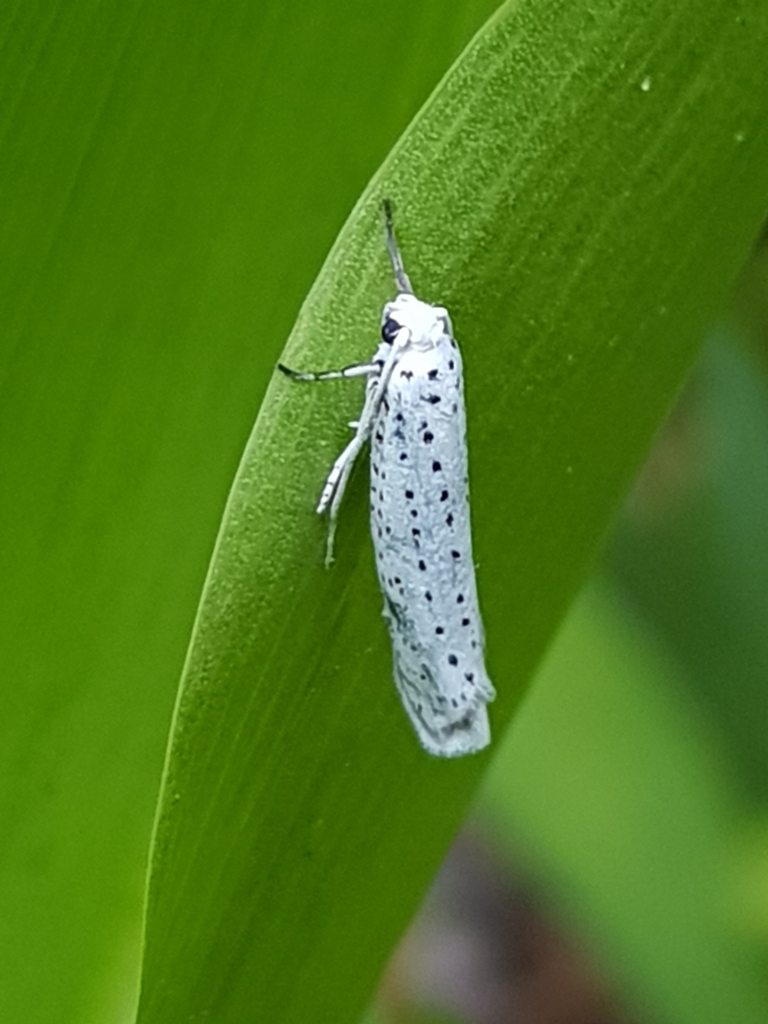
<point>389,330</point>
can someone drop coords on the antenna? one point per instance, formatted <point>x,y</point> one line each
<point>394,253</point>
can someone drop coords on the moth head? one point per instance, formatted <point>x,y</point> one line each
<point>426,325</point>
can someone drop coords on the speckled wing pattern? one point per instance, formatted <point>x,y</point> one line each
<point>414,417</point>
<point>421,532</point>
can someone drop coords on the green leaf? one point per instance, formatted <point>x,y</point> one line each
<point>700,575</point>
<point>615,797</point>
<point>172,175</point>
<point>580,191</point>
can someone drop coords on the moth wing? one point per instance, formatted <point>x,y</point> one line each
<point>444,726</point>
<point>420,523</point>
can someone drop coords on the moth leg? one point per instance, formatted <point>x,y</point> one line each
<point>335,489</point>
<point>378,378</point>
<point>336,482</point>
<point>355,370</point>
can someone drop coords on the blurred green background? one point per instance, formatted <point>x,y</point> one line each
<point>153,262</point>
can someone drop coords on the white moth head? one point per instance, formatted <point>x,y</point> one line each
<point>406,319</point>
<point>425,326</point>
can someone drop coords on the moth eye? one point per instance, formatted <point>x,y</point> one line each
<point>389,330</point>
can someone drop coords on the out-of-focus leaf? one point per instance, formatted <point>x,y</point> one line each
<point>697,565</point>
<point>611,784</point>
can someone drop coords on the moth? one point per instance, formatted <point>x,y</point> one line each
<point>415,419</point>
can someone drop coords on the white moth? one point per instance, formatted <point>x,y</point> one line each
<point>414,417</point>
